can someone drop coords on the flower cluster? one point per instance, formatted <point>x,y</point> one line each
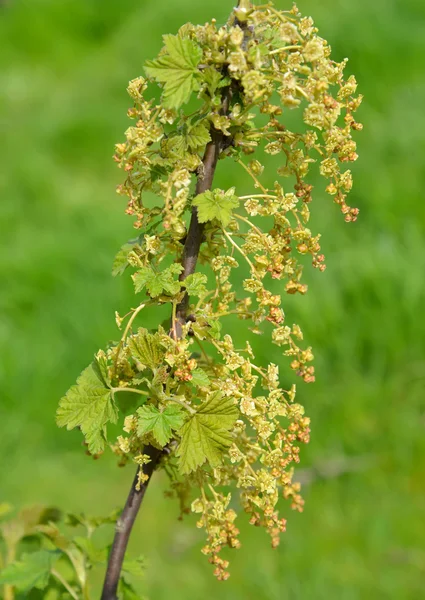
<point>225,420</point>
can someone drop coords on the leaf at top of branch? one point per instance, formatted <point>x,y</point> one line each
<point>160,423</point>
<point>207,433</point>
<point>216,204</point>
<point>176,69</point>
<point>88,405</point>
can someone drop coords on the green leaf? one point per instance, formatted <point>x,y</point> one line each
<point>88,405</point>
<point>146,349</point>
<point>215,329</point>
<point>195,284</point>
<point>212,78</point>
<point>207,433</point>
<point>158,283</point>
<point>134,566</point>
<point>216,204</point>
<point>100,365</point>
<point>200,378</point>
<point>198,136</point>
<point>142,278</point>
<point>120,261</point>
<point>32,571</point>
<point>174,146</point>
<point>161,424</point>
<point>95,555</point>
<point>177,69</point>
<point>210,328</point>
<point>91,523</point>
<point>127,591</point>
<point>95,438</point>
<point>175,269</point>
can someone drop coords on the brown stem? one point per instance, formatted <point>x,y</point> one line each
<point>196,229</point>
<point>125,525</point>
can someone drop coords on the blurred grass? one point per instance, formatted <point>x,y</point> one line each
<point>64,67</point>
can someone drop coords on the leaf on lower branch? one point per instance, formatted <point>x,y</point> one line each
<point>32,571</point>
<point>90,406</point>
<point>126,590</point>
<point>206,435</point>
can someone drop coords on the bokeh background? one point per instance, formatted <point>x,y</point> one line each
<point>64,69</point>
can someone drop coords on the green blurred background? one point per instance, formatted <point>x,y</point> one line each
<point>64,68</point>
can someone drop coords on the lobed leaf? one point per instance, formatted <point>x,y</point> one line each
<point>32,571</point>
<point>121,259</point>
<point>216,204</point>
<point>206,434</point>
<point>198,136</point>
<point>160,423</point>
<point>146,349</point>
<point>195,284</point>
<point>177,69</point>
<point>90,406</point>
<point>158,283</point>
<point>200,378</point>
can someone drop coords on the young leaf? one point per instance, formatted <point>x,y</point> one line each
<point>88,405</point>
<point>198,136</point>
<point>126,590</point>
<point>158,283</point>
<point>145,348</point>
<point>94,554</point>
<point>120,261</point>
<point>215,329</point>
<point>200,378</point>
<point>134,566</point>
<point>212,78</point>
<point>216,204</point>
<point>195,284</point>
<point>160,423</point>
<point>100,365</point>
<point>177,69</point>
<point>207,433</point>
<point>145,277</point>
<point>32,571</point>
<point>174,146</point>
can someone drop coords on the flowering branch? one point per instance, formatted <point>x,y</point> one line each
<point>219,421</point>
<point>189,260</point>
